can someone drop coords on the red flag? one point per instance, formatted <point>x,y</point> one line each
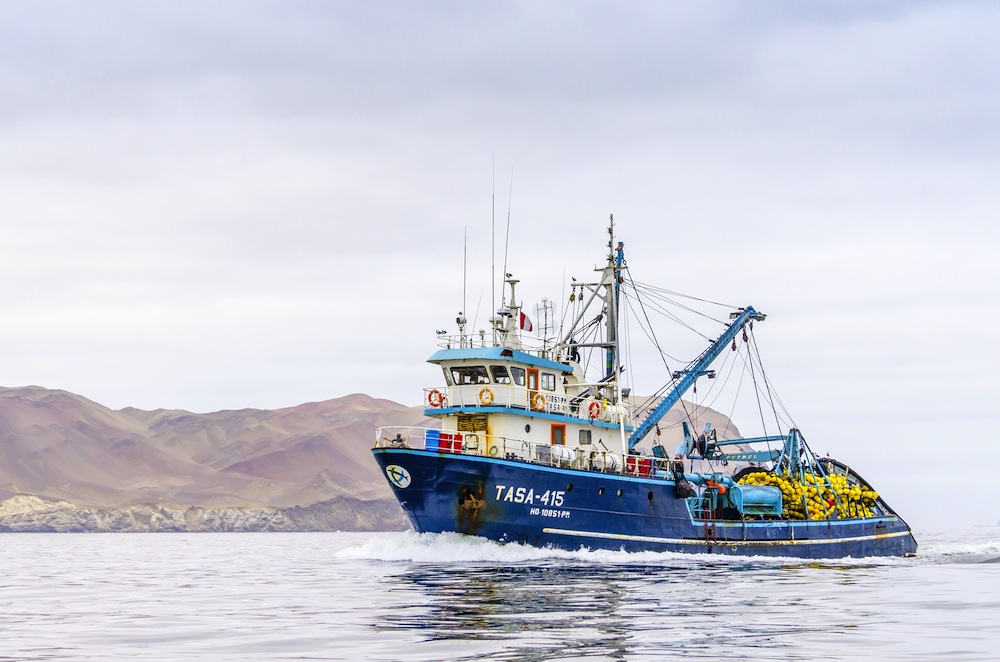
<point>526,322</point>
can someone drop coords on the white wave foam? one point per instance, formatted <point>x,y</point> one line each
<point>449,548</point>
<point>455,547</point>
<point>953,551</point>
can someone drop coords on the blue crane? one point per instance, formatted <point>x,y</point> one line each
<point>698,368</point>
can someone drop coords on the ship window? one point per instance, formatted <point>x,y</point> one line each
<point>500,375</point>
<point>518,375</point>
<point>447,377</point>
<point>584,437</point>
<point>548,381</point>
<point>471,374</point>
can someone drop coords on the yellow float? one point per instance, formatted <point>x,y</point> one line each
<point>817,497</point>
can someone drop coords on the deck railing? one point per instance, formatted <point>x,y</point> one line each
<point>477,443</point>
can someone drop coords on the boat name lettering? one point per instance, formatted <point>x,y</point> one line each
<point>529,495</point>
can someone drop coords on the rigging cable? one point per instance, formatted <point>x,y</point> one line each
<point>772,395</point>
<point>760,409</point>
<point>666,313</point>
<point>687,296</point>
<point>648,330</point>
<point>651,334</point>
<point>661,295</point>
<point>718,387</point>
<point>627,375</point>
<point>673,382</point>
<point>656,344</point>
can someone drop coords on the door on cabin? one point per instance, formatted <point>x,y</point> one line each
<point>534,398</point>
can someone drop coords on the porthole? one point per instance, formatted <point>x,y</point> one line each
<point>600,491</point>
<point>527,428</point>
<point>619,492</point>
<point>649,496</point>
<point>569,487</point>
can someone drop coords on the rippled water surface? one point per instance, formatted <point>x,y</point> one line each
<point>394,596</point>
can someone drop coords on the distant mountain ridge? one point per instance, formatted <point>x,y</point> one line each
<point>70,464</point>
<point>62,447</point>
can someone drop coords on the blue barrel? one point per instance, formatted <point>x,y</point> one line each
<point>432,440</point>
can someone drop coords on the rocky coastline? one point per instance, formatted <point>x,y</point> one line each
<point>29,514</point>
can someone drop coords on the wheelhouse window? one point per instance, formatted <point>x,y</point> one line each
<point>500,375</point>
<point>518,375</point>
<point>469,374</point>
<point>548,381</point>
<point>447,377</point>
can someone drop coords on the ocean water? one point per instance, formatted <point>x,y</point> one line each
<point>404,596</point>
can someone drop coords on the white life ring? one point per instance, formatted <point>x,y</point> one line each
<point>486,397</point>
<point>436,398</point>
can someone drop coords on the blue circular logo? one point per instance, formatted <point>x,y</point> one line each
<point>398,476</point>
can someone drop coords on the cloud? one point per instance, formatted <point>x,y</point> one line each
<point>260,204</point>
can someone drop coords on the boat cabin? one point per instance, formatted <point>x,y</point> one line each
<point>505,402</point>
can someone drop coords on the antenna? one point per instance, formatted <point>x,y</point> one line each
<point>465,264</point>
<point>475,320</point>
<point>545,316</point>
<point>506,243</point>
<point>465,278</point>
<point>562,319</point>
<point>493,246</point>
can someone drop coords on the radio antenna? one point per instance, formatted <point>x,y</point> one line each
<point>506,241</point>
<point>462,316</point>
<point>493,247</point>
<point>465,266</point>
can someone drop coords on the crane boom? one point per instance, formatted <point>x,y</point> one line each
<point>696,369</point>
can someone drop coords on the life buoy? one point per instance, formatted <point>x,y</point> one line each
<point>486,397</point>
<point>594,409</point>
<point>538,402</point>
<point>436,398</point>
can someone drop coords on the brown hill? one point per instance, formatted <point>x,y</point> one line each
<point>60,446</point>
<point>70,464</point>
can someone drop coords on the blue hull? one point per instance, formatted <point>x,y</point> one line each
<point>515,501</point>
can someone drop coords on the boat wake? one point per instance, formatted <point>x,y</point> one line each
<point>451,548</point>
<point>459,548</point>
<point>956,550</point>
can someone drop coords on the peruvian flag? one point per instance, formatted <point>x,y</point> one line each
<point>526,322</point>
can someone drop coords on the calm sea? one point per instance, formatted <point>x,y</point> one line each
<point>395,596</point>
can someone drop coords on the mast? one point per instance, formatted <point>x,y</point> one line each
<point>616,259</point>
<point>612,289</point>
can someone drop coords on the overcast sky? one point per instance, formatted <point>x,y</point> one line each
<point>257,204</point>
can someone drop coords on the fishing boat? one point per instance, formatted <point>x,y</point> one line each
<point>542,443</point>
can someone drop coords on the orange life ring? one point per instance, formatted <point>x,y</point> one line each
<point>486,397</point>
<point>538,402</point>
<point>436,398</point>
<point>594,409</point>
